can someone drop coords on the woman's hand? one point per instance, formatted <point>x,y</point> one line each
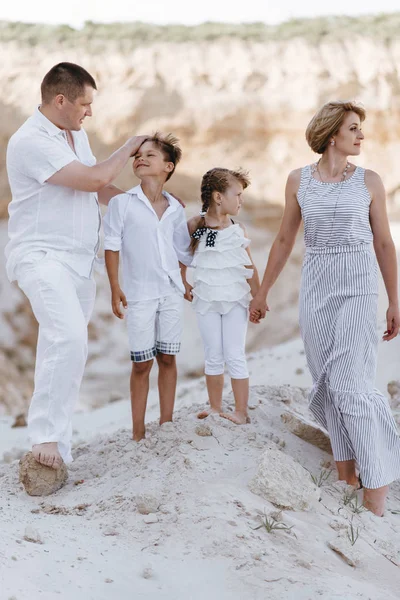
<point>118,296</point>
<point>258,308</point>
<point>188,291</point>
<point>392,323</point>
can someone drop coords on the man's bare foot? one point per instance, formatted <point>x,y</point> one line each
<point>139,435</point>
<point>207,412</point>
<point>374,500</point>
<point>47,454</point>
<point>236,417</point>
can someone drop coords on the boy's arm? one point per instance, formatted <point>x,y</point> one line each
<point>117,295</point>
<point>182,239</point>
<point>113,223</point>
<point>188,288</point>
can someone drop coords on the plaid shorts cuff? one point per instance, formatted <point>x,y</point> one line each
<point>168,348</point>
<point>143,355</point>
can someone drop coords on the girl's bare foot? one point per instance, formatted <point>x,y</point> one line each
<point>139,435</point>
<point>236,417</point>
<point>207,412</point>
<point>47,454</point>
<point>374,500</point>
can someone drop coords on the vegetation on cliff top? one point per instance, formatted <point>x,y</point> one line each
<point>129,35</point>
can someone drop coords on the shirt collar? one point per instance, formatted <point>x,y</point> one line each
<point>46,123</point>
<point>137,191</point>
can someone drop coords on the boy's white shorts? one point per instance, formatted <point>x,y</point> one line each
<point>155,326</point>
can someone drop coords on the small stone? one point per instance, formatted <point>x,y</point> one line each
<point>146,504</point>
<point>299,371</point>
<point>39,480</point>
<point>149,519</point>
<point>108,580</point>
<point>147,573</point>
<point>203,430</point>
<point>307,431</point>
<point>20,421</point>
<point>32,535</point>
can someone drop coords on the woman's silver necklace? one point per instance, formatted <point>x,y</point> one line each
<point>315,168</point>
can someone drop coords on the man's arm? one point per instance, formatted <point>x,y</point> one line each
<point>78,176</point>
<point>107,193</point>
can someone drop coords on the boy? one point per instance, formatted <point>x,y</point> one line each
<point>148,226</point>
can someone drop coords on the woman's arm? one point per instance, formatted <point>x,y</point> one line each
<point>281,248</point>
<point>384,249</point>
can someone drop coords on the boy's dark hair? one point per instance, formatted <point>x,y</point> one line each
<point>217,180</point>
<point>168,144</point>
<point>67,79</point>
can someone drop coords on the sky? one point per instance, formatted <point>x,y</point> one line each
<point>189,12</point>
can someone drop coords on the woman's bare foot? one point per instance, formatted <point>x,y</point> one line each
<point>236,417</point>
<point>207,412</point>
<point>374,500</point>
<point>47,454</point>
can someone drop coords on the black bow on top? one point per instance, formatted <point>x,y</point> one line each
<point>210,240</point>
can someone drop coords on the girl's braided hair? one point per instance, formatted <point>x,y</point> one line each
<point>216,180</point>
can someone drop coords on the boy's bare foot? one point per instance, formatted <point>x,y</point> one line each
<point>374,500</point>
<point>47,454</point>
<point>207,412</point>
<point>236,417</point>
<point>139,435</point>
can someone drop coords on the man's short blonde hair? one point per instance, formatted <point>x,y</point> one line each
<point>327,122</point>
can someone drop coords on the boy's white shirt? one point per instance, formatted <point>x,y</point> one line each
<point>150,247</point>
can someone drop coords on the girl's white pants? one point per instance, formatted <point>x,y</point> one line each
<point>62,302</point>
<point>224,340</point>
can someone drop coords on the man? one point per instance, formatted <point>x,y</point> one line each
<point>54,237</point>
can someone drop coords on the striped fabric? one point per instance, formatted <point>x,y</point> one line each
<point>338,309</point>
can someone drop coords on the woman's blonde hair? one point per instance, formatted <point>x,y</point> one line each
<point>327,122</point>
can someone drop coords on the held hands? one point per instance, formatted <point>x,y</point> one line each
<point>188,291</point>
<point>258,309</point>
<point>118,296</point>
<point>392,323</point>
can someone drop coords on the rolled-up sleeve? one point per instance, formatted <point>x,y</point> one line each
<point>113,223</point>
<point>182,239</point>
<point>40,157</point>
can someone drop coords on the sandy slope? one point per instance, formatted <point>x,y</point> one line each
<point>96,544</point>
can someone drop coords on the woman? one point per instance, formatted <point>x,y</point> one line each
<point>346,229</point>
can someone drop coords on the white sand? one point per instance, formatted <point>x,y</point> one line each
<point>96,545</point>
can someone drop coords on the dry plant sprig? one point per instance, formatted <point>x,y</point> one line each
<point>272,523</point>
<point>322,477</point>
<point>353,533</point>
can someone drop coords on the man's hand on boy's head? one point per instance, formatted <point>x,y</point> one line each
<point>118,296</point>
<point>135,143</point>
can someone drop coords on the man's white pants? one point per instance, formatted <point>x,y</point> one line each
<point>62,302</point>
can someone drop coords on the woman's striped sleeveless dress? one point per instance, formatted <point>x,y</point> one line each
<point>338,310</point>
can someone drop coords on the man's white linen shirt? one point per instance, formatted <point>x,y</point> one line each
<point>59,220</point>
<point>150,247</point>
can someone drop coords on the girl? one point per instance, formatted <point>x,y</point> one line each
<point>224,278</point>
<point>346,234</point>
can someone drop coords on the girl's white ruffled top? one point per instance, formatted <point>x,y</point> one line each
<point>220,274</point>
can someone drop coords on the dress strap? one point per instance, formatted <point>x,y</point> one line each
<point>305,181</point>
